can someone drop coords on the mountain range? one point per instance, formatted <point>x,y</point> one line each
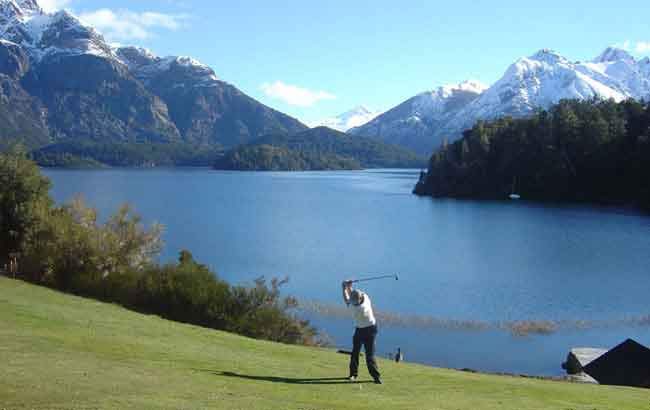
<point>423,122</point>
<point>60,80</point>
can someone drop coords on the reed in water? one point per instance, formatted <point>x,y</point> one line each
<point>519,328</point>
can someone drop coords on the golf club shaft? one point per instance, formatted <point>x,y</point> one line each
<point>375,278</point>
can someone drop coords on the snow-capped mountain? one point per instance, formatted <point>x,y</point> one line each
<point>530,83</point>
<point>43,34</point>
<point>145,66</point>
<point>413,123</point>
<point>349,119</point>
<point>76,86</point>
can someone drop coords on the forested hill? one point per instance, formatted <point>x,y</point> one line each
<point>319,148</point>
<point>596,151</point>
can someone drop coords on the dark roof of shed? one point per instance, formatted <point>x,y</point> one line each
<point>627,364</point>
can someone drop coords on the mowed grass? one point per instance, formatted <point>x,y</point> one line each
<point>63,352</point>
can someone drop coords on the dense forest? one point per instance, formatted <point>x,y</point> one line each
<point>596,151</point>
<point>85,154</point>
<point>273,158</point>
<point>319,148</point>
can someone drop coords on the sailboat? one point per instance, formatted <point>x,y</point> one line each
<point>513,194</point>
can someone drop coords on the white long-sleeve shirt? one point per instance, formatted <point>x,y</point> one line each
<point>363,314</point>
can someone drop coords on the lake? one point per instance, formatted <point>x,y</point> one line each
<point>474,276</point>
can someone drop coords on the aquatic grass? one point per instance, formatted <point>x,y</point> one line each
<point>527,327</point>
<point>518,328</point>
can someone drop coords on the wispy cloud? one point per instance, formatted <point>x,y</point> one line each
<point>640,47</point>
<point>53,5</point>
<point>626,45</point>
<point>125,25</point>
<point>294,95</point>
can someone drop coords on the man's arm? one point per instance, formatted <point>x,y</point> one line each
<point>347,288</point>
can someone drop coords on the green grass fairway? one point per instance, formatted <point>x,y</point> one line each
<point>63,352</point>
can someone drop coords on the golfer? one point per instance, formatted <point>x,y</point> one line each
<point>365,332</point>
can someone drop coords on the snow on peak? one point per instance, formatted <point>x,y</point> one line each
<point>644,67</point>
<point>548,56</point>
<point>190,65</point>
<point>474,86</point>
<point>355,117</point>
<point>19,9</point>
<point>44,34</point>
<point>359,109</point>
<point>440,94</point>
<point>612,54</point>
<point>146,65</point>
<point>136,57</point>
<point>29,5</point>
<point>448,90</point>
<point>186,61</point>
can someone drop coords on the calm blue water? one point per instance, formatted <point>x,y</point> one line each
<point>457,260</point>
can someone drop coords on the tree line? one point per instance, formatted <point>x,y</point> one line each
<point>595,151</point>
<point>67,248</point>
<point>93,154</point>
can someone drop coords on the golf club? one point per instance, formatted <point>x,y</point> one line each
<point>374,278</point>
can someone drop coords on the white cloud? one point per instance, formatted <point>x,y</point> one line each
<point>127,25</point>
<point>625,45</point>
<point>294,95</point>
<point>639,47</point>
<point>642,47</point>
<point>50,6</point>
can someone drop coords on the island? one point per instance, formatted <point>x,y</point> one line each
<point>316,149</point>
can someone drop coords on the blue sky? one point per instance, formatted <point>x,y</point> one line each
<point>316,59</point>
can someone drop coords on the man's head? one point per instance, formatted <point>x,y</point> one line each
<point>356,297</point>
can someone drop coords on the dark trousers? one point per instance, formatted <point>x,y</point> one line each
<point>364,336</point>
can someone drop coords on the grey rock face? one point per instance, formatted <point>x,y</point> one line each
<point>13,60</point>
<point>21,115</point>
<point>205,109</point>
<point>96,98</point>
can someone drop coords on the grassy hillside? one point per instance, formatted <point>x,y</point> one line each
<point>63,352</point>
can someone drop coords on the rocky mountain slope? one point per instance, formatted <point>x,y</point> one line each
<point>531,83</point>
<point>64,81</point>
<point>21,115</point>
<point>205,109</point>
<point>420,122</point>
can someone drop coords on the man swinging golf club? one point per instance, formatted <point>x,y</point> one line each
<point>365,332</point>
